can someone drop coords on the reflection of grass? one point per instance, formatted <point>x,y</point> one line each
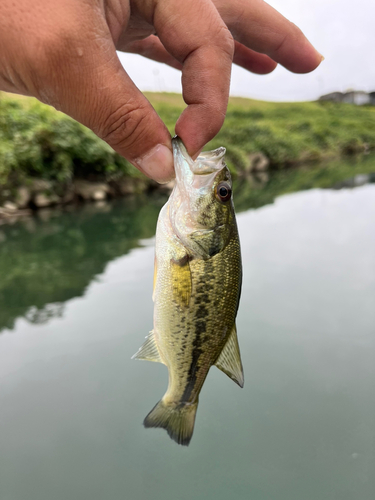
<point>263,189</point>
<point>36,140</point>
<point>53,261</point>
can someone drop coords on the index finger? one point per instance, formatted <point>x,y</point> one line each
<point>194,33</point>
<point>260,27</point>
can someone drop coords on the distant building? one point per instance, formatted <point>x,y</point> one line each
<point>357,97</point>
<point>333,96</point>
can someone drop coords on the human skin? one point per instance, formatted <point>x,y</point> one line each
<point>64,54</point>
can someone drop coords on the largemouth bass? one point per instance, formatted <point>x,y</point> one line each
<point>197,284</point>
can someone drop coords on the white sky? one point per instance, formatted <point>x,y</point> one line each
<point>342,30</point>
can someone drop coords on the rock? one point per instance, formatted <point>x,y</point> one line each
<point>23,197</point>
<point>38,185</point>
<point>126,186</point>
<point>91,190</point>
<point>99,195</point>
<point>11,212</point>
<point>68,196</point>
<point>130,185</point>
<point>42,200</point>
<point>258,162</point>
<point>10,206</point>
<point>42,193</point>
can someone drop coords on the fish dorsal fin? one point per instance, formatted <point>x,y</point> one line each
<point>181,281</point>
<point>149,350</point>
<point>229,360</point>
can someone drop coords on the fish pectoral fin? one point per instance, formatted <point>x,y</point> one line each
<point>149,350</point>
<point>229,360</point>
<point>181,281</point>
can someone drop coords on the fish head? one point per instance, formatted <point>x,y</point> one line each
<point>201,208</point>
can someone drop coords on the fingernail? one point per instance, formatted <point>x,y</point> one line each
<point>157,164</point>
<point>321,58</point>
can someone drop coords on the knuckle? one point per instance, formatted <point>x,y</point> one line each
<point>125,126</point>
<point>226,41</point>
<point>221,39</point>
<point>296,32</point>
<point>294,36</point>
<point>216,121</point>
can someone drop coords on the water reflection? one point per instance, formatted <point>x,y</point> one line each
<point>51,258</point>
<point>262,188</point>
<point>356,181</point>
<point>72,402</point>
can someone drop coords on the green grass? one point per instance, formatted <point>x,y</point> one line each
<point>38,141</point>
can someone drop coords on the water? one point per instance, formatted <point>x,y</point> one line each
<point>75,304</point>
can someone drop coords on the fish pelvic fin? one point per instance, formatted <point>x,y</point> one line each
<point>177,419</point>
<point>149,350</point>
<point>229,360</point>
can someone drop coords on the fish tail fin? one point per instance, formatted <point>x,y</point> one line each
<point>177,419</point>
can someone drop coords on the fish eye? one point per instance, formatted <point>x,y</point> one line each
<point>223,191</point>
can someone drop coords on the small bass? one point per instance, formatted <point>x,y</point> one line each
<point>197,285</point>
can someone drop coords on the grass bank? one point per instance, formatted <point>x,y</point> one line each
<point>36,141</point>
<point>287,133</point>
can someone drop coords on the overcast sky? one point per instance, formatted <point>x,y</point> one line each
<point>342,30</point>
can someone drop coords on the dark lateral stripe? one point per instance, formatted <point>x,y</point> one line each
<point>193,369</point>
<point>202,298</point>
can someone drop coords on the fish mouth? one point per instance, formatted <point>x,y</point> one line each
<point>208,162</point>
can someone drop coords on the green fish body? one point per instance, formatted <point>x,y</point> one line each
<point>197,285</point>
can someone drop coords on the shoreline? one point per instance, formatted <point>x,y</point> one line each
<point>38,195</point>
<point>47,159</point>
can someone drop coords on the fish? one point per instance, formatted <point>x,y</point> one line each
<point>197,287</point>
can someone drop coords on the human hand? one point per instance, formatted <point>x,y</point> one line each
<point>64,53</point>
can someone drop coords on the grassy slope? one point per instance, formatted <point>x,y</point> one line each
<point>36,140</point>
<point>285,132</point>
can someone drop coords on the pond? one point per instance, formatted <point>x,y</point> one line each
<point>75,304</point>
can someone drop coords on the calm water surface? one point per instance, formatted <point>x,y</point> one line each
<point>75,304</point>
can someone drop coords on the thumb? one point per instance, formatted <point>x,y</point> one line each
<point>90,85</point>
<point>121,115</point>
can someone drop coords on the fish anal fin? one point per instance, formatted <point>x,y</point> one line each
<point>149,350</point>
<point>229,360</point>
<point>177,419</point>
<point>181,281</point>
